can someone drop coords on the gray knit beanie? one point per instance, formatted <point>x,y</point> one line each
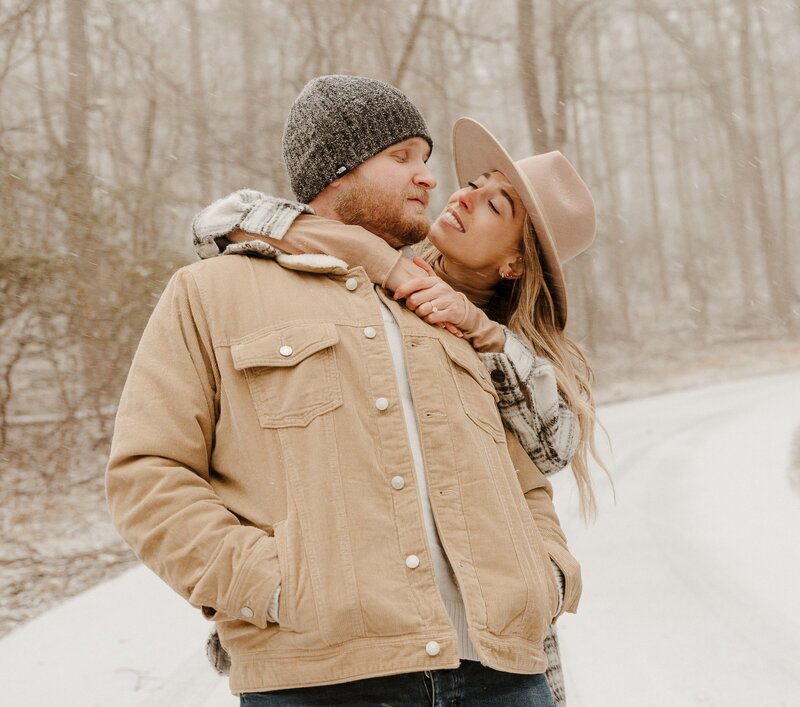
<point>337,122</point>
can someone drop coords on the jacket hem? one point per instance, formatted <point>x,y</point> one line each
<point>363,658</point>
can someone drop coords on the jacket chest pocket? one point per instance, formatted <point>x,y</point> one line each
<point>476,391</point>
<point>291,372</point>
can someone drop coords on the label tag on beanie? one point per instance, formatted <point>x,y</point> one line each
<point>341,171</point>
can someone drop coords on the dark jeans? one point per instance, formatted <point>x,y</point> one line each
<point>471,685</point>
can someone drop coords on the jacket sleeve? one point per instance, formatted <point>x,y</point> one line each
<point>539,496</point>
<point>245,209</point>
<point>352,244</point>
<point>292,228</point>
<point>531,405</point>
<point>157,480</point>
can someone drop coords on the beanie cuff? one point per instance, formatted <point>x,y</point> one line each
<point>349,165</point>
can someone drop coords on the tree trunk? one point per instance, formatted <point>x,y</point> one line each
<point>727,145</point>
<point>249,141</point>
<point>657,231</point>
<point>617,246</point>
<point>560,55</point>
<point>529,77</point>
<point>698,297</point>
<point>583,305</point>
<point>202,167</point>
<point>410,43</point>
<point>143,236</point>
<point>77,180</point>
<point>779,283</point>
<point>772,105</point>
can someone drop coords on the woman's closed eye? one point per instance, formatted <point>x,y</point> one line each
<point>472,185</point>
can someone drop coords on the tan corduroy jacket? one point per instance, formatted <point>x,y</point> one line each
<point>256,442</point>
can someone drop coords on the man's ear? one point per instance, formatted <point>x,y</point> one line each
<point>336,183</point>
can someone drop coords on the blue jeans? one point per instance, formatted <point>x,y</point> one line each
<point>471,685</point>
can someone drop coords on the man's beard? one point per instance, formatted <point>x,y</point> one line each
<point>361,204</point>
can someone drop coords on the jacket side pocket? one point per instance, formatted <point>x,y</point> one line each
<point>286,617</point>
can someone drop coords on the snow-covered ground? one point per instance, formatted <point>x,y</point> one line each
<point>691,580</point>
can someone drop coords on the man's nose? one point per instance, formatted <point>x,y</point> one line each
<point>424,178</point>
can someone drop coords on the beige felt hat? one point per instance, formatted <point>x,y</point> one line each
<point>557,200</point>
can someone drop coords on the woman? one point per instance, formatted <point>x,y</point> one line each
<point>491,273</point>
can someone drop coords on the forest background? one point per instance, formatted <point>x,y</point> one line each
<point>119,120</point>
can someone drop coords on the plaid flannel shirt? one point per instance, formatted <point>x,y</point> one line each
<point>531,406</point>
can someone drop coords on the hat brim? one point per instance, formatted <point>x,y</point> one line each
<point>475,152</point>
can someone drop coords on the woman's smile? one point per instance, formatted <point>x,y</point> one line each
<point>451,218</point>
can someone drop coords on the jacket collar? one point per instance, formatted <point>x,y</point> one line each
<point>306,262</point>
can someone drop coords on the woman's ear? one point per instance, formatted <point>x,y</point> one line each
<point>512,268</point>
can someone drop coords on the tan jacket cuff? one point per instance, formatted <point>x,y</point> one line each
<point>483,333</point>
<point>571,573</point>
<point>387,281</point>
<point>250,591</point>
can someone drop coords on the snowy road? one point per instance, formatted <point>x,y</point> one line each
<point>691,581</point>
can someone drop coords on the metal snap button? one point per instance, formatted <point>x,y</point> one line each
<point>432,648</point>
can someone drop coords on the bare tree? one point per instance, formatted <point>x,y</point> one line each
<point>530,82</point>
<point>656,226</point>
<point>772,243</point>
<point>410,43</point>
<point>617,229</point>
<point>743,149</point>
<point>77,179</point>
<point>198,99</point>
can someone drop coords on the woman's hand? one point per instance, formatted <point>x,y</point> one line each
<point>433,300</point>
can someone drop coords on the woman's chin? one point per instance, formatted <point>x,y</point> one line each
<point>437,236</point>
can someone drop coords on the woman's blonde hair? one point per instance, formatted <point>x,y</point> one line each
<point>525,305</point>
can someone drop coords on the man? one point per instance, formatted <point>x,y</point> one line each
<point>322,473</point>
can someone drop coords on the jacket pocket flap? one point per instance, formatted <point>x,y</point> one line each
<point>286,346</point>
<point>469,362</point>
